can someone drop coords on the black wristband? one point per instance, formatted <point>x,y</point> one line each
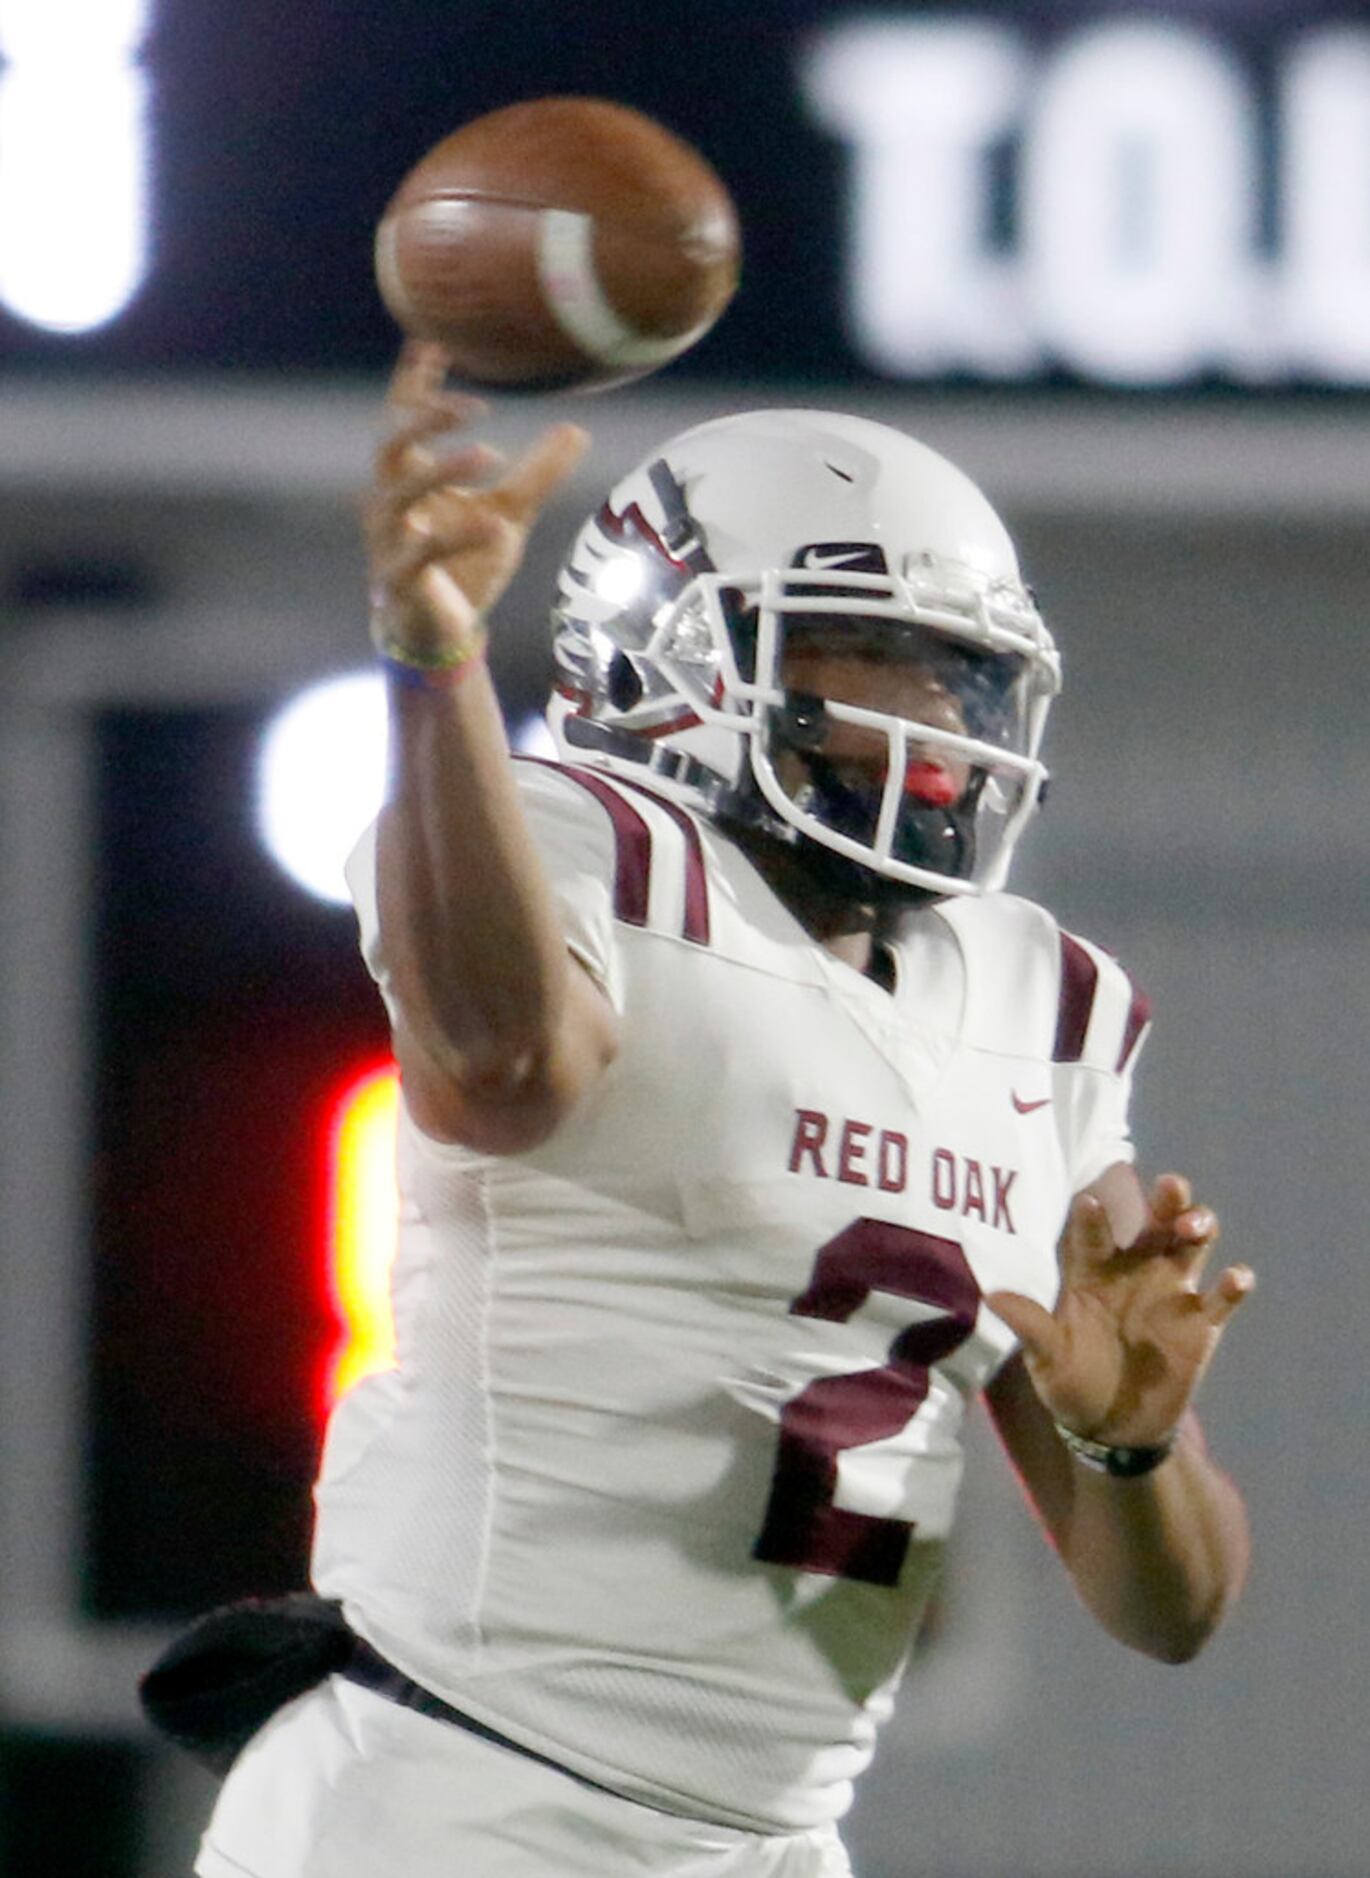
<point>1119,1462</point>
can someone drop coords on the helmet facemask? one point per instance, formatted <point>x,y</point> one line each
<point>906,747</point>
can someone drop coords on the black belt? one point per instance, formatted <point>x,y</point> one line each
<point>368,1667</point>
<point>223,1678</point>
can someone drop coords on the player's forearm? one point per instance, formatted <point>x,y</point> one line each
<point>1158,1559</point>
<point>470,929</point>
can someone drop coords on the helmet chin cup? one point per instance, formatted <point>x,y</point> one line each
<point>681,596</point>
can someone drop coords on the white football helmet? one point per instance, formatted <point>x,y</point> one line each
<point>689,598</point>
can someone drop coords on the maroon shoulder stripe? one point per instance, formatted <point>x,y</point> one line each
<point>1079,977</point>
<point>632,846</point>
<point>696,927</point>
<point>633,849</point>
<point>1138,1017</point>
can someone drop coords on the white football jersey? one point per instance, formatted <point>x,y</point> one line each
<point>660,1481</point>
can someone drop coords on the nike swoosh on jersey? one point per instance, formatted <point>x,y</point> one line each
<point>1026,1108</point>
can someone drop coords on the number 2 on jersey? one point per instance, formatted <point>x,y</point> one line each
<point>803,1528</point>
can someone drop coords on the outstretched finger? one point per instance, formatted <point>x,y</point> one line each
<point>1195,1223</point>
<point>540,470</point>
<point>1087,1242</point>
<point>1170,1195</point>
<point>1230,1291</point>
<point>1035,1328</point>
<point>404,450</point>
<point>1193,1236</point>
<point>1186,1240</point>
<point>424,546</point>
<point>426,477</point>
<point>420,369</point>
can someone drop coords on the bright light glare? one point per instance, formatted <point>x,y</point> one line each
<point>363,1211</point>
<point>73,188</point>
<point>73,160</point>
<point>320,779</point>
<point>620,581</point>
<point>66,33</point>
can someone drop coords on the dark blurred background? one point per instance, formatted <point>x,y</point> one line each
<point>1115,262</point>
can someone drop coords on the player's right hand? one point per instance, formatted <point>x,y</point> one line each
<point>446,527</point>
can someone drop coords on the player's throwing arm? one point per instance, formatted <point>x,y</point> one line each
<point>496,1032</point>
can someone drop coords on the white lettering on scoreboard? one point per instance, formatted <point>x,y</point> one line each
<point>1137,256</point>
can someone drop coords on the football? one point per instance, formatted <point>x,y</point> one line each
<point>558,243</point>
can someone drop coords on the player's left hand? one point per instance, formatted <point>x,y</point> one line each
<point>1120,1357</point>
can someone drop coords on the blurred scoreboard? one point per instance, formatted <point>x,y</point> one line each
<point>1064,193</point>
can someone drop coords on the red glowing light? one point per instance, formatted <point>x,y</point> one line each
<point>362,1217</point>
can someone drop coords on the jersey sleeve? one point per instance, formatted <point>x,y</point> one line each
<point>1038,992</point>
<point>1102,1021</point>
<point>575,841</point>
<point>360,874</point>
<point>578,845</point>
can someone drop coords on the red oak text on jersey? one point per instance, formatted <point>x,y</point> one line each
<point>864,1155</point>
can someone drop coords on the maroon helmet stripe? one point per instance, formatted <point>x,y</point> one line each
<point>683,720</point>
<point>1079,976</point>
<point>1138,1017</point>
<point>632,846</point>
<point>696,926</point>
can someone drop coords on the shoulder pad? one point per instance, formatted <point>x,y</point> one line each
<point>1034,989</point>
<point>660,881</point>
